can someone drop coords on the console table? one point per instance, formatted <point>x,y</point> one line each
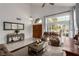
<point>15,37</point>
<point>70,48</point>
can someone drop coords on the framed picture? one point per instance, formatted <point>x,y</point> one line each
<point>13,26</point>
<point>7,26</point>
<point>20,26</point>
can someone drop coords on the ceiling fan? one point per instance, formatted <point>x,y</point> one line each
<point>43,5</point>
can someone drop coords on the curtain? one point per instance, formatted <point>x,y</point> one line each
<point>75,21</point>
<point>76,17</point>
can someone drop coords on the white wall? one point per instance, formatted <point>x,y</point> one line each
<point>38,11</point>
<point>9,12</point>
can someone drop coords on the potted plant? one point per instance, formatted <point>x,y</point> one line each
<point>17,31</point>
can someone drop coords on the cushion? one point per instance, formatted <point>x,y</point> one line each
<point>4,51</point>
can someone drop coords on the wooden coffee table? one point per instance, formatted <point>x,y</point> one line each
<point>34,49</point>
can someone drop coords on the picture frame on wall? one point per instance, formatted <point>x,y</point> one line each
<point>20,26</point>
<point>13,26</point>
<point>7,26</point>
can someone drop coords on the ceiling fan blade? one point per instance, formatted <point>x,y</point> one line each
<point>43,5</point>
<point>51,3</point>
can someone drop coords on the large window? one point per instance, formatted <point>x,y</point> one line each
<point>58,23</point>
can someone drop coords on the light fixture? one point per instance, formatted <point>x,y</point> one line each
<point>31,18</point>
<point>18,18</point>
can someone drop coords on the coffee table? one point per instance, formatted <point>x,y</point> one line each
<point>36,49</point>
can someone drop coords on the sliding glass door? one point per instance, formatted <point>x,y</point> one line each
<point>59,23</point>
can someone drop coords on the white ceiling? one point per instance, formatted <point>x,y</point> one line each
<point>56,4</point>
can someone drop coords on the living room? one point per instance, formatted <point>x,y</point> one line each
<point>38,29</point>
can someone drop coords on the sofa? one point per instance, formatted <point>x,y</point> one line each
<point>53,38</point>
<point>54,41</point>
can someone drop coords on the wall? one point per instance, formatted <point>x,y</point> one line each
<point>9,12</point>
<point>38,11</point>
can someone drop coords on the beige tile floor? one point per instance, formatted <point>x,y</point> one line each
<point>50,51</point>
<point>53,51</point>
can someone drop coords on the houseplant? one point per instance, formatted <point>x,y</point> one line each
<point>17,31</point>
